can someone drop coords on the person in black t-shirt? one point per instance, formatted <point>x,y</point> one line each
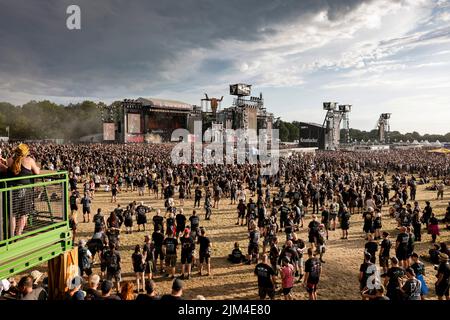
<point>313,231</point>
<point>443,277</point>
<point>187,252</point>
<point>158,239</point>
<point>197,197</point>
<point>401,247</point>
<point>344,220</point>
<point>385,248</point>
<point>138,260</point>
<point>266,279</point>
<point>372,248</point>
<point>73,202</point>
<point>236,255</point>
<point>148,252</point>
<point>313,270</point>
<point>111,264</point>
<point>158,221</point>
<point>180,219</point>
<point>411,286</point>
<point>366,269</point>
<point>204,252</point>
<point>392,280</point>
<point>195,224</point>
<point>419,270</point>
<point>253,244</point>
<point>241,208</point>
<point>141,216</point>
<point>170,245</point>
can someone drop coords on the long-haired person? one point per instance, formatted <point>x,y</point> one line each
<point>138,266</point>
<point>20,164</point>
<point>127,291</point>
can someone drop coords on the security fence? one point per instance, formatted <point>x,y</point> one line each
<point>33,220</point>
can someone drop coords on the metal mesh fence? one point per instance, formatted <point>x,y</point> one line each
<point>2,227</point>
<point>35,206</point>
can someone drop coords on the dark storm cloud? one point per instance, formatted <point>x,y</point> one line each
<point>126,46</point>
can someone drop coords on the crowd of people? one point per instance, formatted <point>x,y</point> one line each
<point>314,192</point>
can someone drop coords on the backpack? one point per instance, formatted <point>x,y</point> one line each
<point>84,259</point>
<point>98,220</point>
<point>112,260</point>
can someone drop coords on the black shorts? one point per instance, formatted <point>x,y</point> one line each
<point>442,289</point>
<point>180,229</point>
<point>253,249</point>
<point>159,253</point>
<point>73,207</point>
<point>311,238</point>
<point>140,268</point>
<point>384,262</point>
<point>171,260</point>
<point>86,210</point>
<point>204,257</point>
<point>186,257</point>
<point>401,254</point>
<point>22,201</point>
<point>141,219</point>
<point>241,215</point>
<point>263,292</point>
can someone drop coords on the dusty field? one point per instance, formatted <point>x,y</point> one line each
<point>340,272</point>
<point>228,281</point>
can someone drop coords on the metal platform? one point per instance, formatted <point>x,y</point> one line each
<point>43,206</point>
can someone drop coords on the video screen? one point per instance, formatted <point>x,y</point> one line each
<point>109,132</point>
<point>134,123</point>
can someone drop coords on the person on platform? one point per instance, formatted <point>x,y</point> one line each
<point>20,164</point>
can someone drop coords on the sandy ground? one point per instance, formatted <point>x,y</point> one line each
<point>340,272</point>
<point>339,279</point>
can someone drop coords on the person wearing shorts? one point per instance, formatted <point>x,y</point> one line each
<point>204,252</point>
<point>401,247</point>
<point>443,283</point>
<point>241,208</point>
<point>187,250</point>
<point>148,251</point>
<point>313,270</point>
<point>385,248</point>
<point>158,239</point>
<point>287,278</point>
<point>170,245</point>
<point>266,279</point>
<point>86,202</point>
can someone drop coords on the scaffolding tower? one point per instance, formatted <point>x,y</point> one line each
<point>332,123</point>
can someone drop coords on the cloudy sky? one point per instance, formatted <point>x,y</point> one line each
<point>380,55</point>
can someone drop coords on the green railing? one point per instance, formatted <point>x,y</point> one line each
<point>34,222</point>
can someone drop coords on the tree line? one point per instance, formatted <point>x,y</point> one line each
<point>47,120</point>
<point>289,132</point>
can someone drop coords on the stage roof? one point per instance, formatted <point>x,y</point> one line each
<point>164,103</point>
